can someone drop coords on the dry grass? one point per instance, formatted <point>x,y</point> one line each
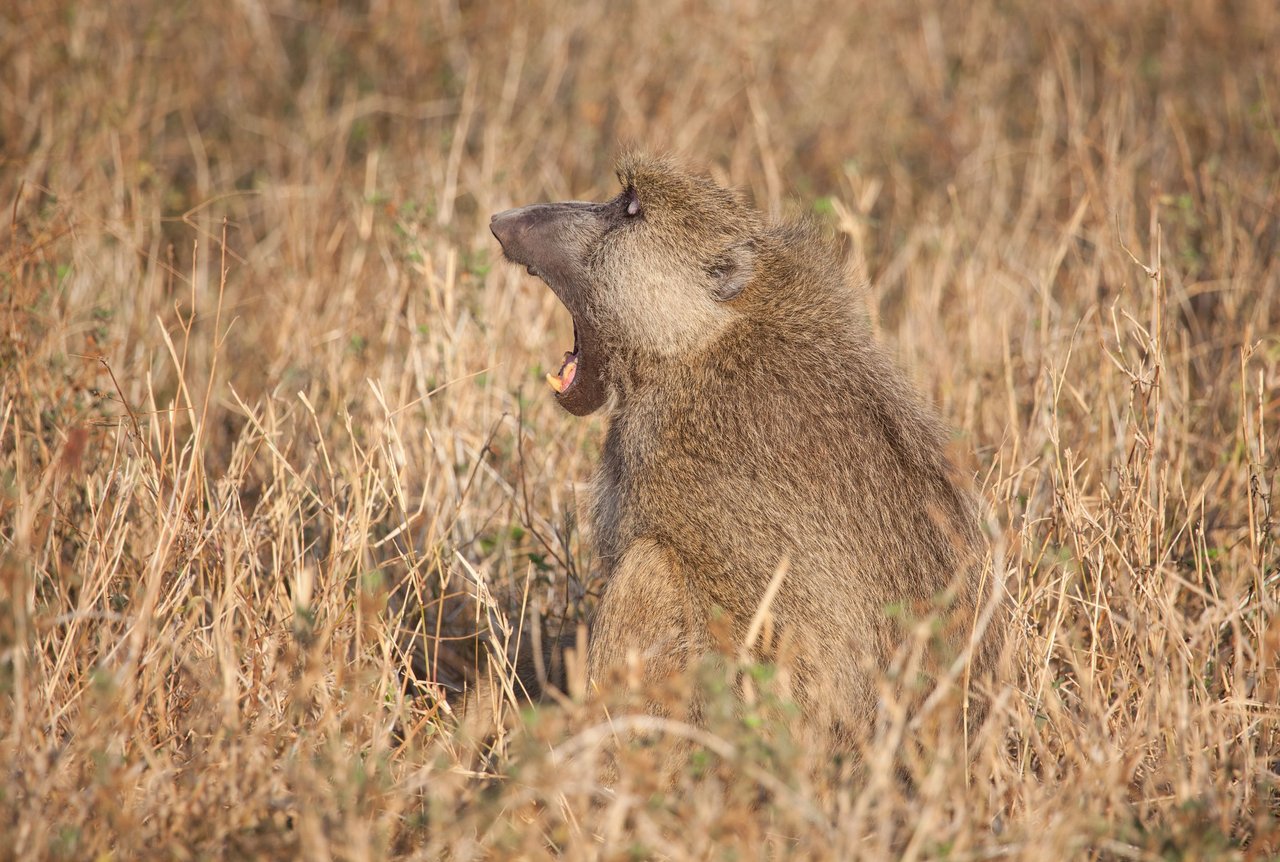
<point>223,463</point>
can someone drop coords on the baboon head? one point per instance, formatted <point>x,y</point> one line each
<point>649,277</point>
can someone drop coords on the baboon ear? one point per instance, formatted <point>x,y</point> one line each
<point>732,270</point>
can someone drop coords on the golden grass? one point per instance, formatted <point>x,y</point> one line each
<point>268,400</point>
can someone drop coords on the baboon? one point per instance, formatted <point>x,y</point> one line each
<point>753,423</point>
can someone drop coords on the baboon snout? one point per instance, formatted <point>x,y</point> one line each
<point>510,228</point>
<point>547,238</point>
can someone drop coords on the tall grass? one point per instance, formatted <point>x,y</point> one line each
<point>273,445</point>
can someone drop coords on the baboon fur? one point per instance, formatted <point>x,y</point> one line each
<point>753,423</point>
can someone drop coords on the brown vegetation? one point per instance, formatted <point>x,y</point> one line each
<point>266,404</point>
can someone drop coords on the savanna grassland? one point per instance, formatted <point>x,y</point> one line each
<point>277,462</point>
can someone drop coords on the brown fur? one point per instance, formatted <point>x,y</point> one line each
<point>752,419</point>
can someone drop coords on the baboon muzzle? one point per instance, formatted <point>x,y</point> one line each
<point>553,242</point>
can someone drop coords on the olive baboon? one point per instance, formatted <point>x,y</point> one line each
<point>753,423</point>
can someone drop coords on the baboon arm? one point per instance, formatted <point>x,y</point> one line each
<point>641,627</point>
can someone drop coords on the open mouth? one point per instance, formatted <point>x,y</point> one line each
<point>535,237</point>
<point>563,379</point>
<point>577,382</point>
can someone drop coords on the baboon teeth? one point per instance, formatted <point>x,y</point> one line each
<point>562,381</point>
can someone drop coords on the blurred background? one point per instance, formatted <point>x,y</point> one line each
<point>269,398</point>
